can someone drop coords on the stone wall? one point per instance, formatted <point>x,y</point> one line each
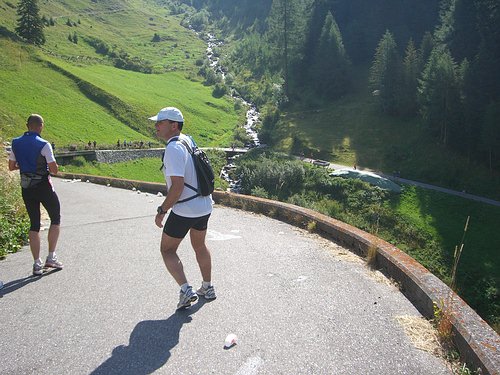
<point>116,156</point>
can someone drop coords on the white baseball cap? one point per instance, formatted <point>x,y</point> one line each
<point>168,113</point>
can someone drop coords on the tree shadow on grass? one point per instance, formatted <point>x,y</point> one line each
<point>150,345</point>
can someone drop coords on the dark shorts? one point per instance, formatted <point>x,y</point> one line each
<point>177,226</point>
<point>44,194</point>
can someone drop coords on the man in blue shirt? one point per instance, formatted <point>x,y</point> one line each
<point>34,158</point>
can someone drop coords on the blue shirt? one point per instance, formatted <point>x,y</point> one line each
<point>27,150</point>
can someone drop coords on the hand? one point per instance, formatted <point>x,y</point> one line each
<point>159,220</point>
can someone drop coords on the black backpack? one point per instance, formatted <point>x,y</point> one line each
<point>204,172</point>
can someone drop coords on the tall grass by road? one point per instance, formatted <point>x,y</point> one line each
<point>14,222</point>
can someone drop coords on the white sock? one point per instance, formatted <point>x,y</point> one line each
<point>52,255</point>
<point>206,284</point>
<point>184,287</point>
<point>39,261</point>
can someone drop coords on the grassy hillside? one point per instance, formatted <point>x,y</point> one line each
<point>31,86</point>
<point>127,25</point>
<point>210,120</point>
<point>83,97</point>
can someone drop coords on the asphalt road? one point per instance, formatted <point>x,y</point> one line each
<point>297,303</point>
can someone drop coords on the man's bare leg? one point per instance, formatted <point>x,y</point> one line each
<point>34,239</point>
<point>53,236</point>
<point>168,248</point>
<point>203,256</point>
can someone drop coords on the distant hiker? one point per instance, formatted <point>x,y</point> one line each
<point>118,144</point>
<point>34,158</point>
<point>124,143</point>
<point>89,144</point>
<point>53,146</point>
<point>95,144</point>
<point>186,214</point>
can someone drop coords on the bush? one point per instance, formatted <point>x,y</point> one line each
<point>199,21</point>
<point>279,175</point>
<point>219,90</point>
<point>14,221</point>
<point>100,46</point>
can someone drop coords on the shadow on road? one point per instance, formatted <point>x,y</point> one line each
<point>150,345</point>
<point>14,285</point>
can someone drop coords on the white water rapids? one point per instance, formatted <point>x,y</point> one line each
<point>252,115</point>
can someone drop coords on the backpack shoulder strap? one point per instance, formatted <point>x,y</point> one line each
<point>190,150</point>
<point>188,147</point>
<point>172,140</point>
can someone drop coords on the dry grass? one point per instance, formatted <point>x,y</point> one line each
<point>371,255</point>
<point>421,333</point>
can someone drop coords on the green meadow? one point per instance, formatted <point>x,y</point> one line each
<point>124,25</point>
<point>31,87</point>
<point>145,169</point>
<point>84,98</point>
<point>209,120</point>
<point>444,217</point>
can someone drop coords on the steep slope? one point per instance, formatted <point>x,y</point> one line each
<point>80,91</point>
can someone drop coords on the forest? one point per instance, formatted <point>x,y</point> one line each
<point>430,59</point>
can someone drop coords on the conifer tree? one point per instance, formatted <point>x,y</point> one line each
<point>490,134</point>
<point>439,95</point>
<point>319,10</point>
<point>285,30</point>
<point>385,74</point>
<point>29,23</point>
<point>426,47</point>
<point>411,72</point>
<point>458,30</point>
<point>330,71</point>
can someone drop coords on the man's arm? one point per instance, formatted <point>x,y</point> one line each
<point>172,197</point>
<point>13,165</point>
<point>48,154</point>
<point>53,167</point>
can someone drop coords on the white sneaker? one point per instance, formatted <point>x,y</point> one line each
<point>186,298</point>
<point>53,263</point>
<point>37,269</point>
<point>209,292</point>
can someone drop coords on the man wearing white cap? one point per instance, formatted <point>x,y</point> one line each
<point>189,212</point>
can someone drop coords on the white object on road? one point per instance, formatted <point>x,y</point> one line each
<point>231,340</point>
